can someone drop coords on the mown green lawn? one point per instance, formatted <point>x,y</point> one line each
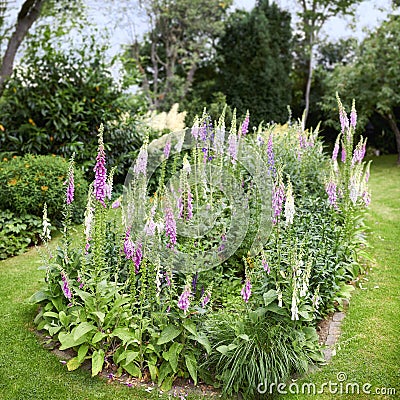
<point>27,370</point>
<point>368,351</point>
<point>369,348</point>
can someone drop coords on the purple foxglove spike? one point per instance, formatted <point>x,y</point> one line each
<point>100,174</point>
<point>167,149</point>
<point>184,301</point>
<point>170,226</point>
<point>128,245</point>
<point>245,125</point>
<point>331,190</point>
<point>137,257</point>
<point>246,291</point>
<point>266,266</point>
<point>65,288</point>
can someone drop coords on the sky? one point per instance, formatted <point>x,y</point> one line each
<point>127,25</point>
<point>369,14</point>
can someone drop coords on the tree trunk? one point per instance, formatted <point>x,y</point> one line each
<point>393,126</point>
<point>29,13</point>
<point>189,79</point>
<point>309,79</point>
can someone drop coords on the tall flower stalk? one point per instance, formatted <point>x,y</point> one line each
<point>100,170</point>
<point>245,125</point>
<point>46,234</point>
<point>289,203</point>
<point>170,226</point>
<point>184,299</point>
<point>232,140</point>
<point>278,197</point>
<point>70,187</point>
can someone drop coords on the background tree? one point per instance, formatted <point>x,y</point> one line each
<point>373,79</point>
<point>254,62</point>
<point>328,56</point>
<point>313,15</point>
<point>181,35</point>
<point>56,99</point>
<point>28,14</point>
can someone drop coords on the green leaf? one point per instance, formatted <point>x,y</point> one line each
<point>203,340</point>
<point>64,319</point>
<point>306,316</point>
<point>168,334</point>
<point>167,383</point>
<point>83,349</point>
<point>51,314</point>
<point>38,297</point>
<point>270,296</point>
<point>98,336</point>
<point>153,372</point>
<point>273,307</point>
<point>82,329</point>
<point>164,370</point>
<point>125,335</point>
<point>97,361</point>
<point>120,357</point>
<point>131,356</point>
<point>172,355</point>
<point>190,326</point>
<point>132,370</point>
<point>54,329</point>
<point>223,349</point>
<point>58,302</point>
<point>73,364</point>
<point>82,294</point>
<point>310,333</point>
<point>100,315</point>
<point>191,364</point>
<point>67,340</point>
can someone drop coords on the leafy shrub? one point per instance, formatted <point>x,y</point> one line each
<point>17,232</point>
<point>30,181</point>
<point>55,102</point>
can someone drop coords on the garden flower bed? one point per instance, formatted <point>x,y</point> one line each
<point>226,249</point>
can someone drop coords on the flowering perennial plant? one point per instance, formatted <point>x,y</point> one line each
<point>278,197</point>
<point>65,286</point>
<point>46,233</point>
<point>289,204</point>
<point>184,299</point>
<point>100,170</point>
<point>70,187</point>
<point>246,290</point>
<point>143,309</point>
<point>245,125</point>
<point>170,226</point>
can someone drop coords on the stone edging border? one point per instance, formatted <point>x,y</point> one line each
<point>334,332</point>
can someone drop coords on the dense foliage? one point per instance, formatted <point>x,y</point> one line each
<point>55,100</point>
<point>175,46</point>
<point>240,253</point>
<point>254,59</point>
<point>374,74</point>
<point>17,232</point>
<point>31,181</point>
